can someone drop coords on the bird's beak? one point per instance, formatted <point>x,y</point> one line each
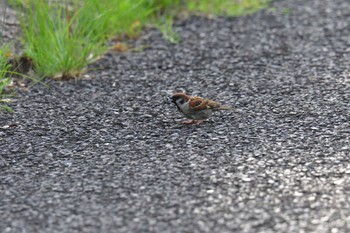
<point>168,99</point>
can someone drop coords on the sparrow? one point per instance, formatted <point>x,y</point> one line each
<point>196,108</point>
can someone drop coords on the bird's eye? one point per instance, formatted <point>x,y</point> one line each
<point>181,101</point>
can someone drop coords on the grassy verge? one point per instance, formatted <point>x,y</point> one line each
<point>63,37</point>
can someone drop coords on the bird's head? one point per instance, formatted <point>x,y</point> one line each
<point>179,99</point>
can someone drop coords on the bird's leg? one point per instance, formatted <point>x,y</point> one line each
<point>193,122</point>
<point>189,122</point>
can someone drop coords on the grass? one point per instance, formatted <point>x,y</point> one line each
<point>60,42</point>
<point>5,78</point>
<point>226,7</point>
<point>62,38</point>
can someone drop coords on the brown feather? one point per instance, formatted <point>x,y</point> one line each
<point>199,103</point>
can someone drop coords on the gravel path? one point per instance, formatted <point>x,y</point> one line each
<point>106,154</point>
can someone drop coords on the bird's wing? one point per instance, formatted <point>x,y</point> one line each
<point>198,103</point>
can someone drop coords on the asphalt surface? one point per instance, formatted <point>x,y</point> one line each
<point>108,154</point>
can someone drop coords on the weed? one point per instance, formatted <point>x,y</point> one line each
<point>166,27</point>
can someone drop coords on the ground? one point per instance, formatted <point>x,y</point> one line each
<point>107,154</point>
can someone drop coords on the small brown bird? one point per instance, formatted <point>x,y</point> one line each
<point>196,108</point>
